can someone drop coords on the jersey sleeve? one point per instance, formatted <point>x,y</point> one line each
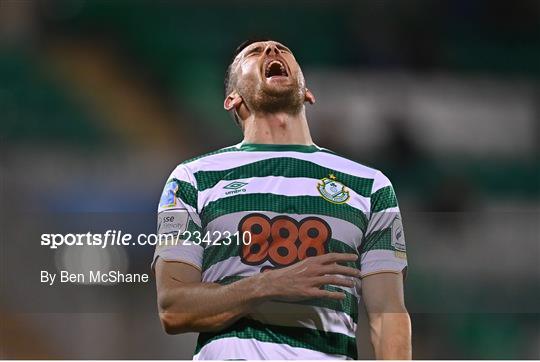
<point>383,245</point>
<point>178,217</point>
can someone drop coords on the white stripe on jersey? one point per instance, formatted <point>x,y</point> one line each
<point>317,318</point>
<point>381,260</point>
<point>228,160</point>
<point>382,219</point>
<point>252,349</point>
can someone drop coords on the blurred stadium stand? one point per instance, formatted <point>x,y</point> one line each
<point>99,100</point>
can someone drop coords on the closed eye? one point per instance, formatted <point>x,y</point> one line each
<point>254,51</point>
<point>283,48</point>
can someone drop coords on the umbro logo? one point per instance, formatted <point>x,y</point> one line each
<point>235,187</point>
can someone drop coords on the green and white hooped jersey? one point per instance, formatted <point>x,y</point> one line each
<point>287,203</point>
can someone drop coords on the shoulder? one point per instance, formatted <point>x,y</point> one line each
<point>356,168</point>
<point>209,160</point>
<point>207,156</point>
<point>196,161</point>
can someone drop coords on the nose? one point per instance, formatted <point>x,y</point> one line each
<point>271,49</point>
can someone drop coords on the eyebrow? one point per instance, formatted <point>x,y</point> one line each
<point>283,47</point>
<point>261,47</point>
<point>254,48</point>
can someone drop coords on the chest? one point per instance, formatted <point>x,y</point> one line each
<point>276,221</point>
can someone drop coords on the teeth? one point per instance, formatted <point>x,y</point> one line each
<point>281,67</point>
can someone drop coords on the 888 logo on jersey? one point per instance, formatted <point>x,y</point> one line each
<point>283,240</point>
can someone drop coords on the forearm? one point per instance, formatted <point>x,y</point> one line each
<point>391,335</point>
<point>204,307</point>
<point>188,305</point>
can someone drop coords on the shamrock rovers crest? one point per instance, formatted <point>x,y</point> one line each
<point>332,190</point>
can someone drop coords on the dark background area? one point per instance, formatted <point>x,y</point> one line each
<point>100,100</point>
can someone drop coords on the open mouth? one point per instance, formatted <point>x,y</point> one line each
<point>275,68</point>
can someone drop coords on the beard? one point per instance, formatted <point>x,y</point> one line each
<point>262,98</point>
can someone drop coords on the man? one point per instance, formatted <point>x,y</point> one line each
<point>276,233</point>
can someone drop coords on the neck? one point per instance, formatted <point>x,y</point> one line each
<point>277,128</point>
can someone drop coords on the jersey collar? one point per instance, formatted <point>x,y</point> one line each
<point>278,147</point>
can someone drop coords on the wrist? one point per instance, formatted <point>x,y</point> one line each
<point>262,287</point>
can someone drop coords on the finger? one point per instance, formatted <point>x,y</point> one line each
<point>340,270</point>
<point>334,280</point>
<point>321,293</point>
<point>338,257</point>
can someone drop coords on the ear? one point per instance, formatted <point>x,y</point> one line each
<point>309,97</point>
<point>233,101</point>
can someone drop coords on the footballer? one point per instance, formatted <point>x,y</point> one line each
<point>280,237</point>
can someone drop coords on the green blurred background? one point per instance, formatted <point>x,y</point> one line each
<point>99,100</point>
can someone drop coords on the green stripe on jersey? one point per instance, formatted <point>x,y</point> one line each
<point>285,167</point>
<point>284,205</point>
<point>383,199</point>
<point>349,305</point>
<point>321,341</point>
<point>378,240</point>
<point>192,227</point>
<point>187,193</point>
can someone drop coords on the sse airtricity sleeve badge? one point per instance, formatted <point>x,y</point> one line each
<point>332,190</point>
<point>398,238</point>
